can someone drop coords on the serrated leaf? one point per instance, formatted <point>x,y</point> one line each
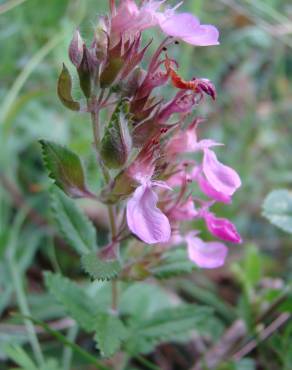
<point>100,269</point>
<point>167,324</point>
<point>64,90</point>
<point>65,168</point>
<point>116,143</point>
<point>76,228</point>
<point>73,298</point>
<point>110,332</point>
<point>277,208</point>
<point>174,263</point>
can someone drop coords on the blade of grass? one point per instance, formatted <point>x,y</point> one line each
<point>24,75</point>
<point>17,281</point>
<point>10,5</point>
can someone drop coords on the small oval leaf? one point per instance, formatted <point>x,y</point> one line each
<point>65,90</point>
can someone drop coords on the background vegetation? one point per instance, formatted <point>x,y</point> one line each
<point>252,70</point>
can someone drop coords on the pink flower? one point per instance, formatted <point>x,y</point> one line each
<point>188,28</point>
<point>208,190</point>
<point>221,178</point>
<point>205,254</point>
<point>130,19</point>
<point>182,103</point>
<point>222,228</point>
<point>183,142</point>
<point>183,211</point>
<point>144,218</point>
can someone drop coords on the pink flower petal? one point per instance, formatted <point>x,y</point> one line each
<point>222,228</point>
<point>184,212</point>
<point>222,178</point>
<point>206,144</point>
<point>179,25</point>
<point>144,218</point>
<point>208,190</point>
<point>205,35</point>
<point>188,28</point>
<point>206,254</point>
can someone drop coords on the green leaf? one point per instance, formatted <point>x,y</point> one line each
<point>245,364</point>
<point>116,144</point>
<point>110,332</point>
<point>277,208</point>
<point>73,224</point>
<point>174,262</point>
<point>252,265</point>
<point>65,168</point>
<point>19,356</point>
<point>65,90</point>
<point>73,298</point>
<point>100,269</point>
<point>208,297</point>
<point>167,324</point>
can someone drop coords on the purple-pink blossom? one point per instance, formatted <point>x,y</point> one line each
<point>221,178</point>
<point>205,254</point>
<point>130,19</point>
<point>187,27</point>
<point>222,228</point>
<point>145,219</point>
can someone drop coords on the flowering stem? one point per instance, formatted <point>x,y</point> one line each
<point>106,175</point>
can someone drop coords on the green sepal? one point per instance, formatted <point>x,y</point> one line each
<point>121,187</point>
<point>110,72</point>
<point>64,89</point>
<point>84,72</point>
<point>116,143</point>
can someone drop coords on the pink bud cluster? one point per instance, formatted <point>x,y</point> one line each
<point>157,184</point>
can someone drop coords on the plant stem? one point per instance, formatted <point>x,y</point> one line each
<point>24,309</point>
<point>106,175</point>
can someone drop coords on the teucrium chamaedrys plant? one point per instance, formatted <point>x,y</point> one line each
<point>152,185</point>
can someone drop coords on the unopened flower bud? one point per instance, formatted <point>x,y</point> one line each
<point>85,71</point>
<point>101,40</point>
<point>76,49</point>
<point>207,87</point>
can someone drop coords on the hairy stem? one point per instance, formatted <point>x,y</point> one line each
<point>111,209</point>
